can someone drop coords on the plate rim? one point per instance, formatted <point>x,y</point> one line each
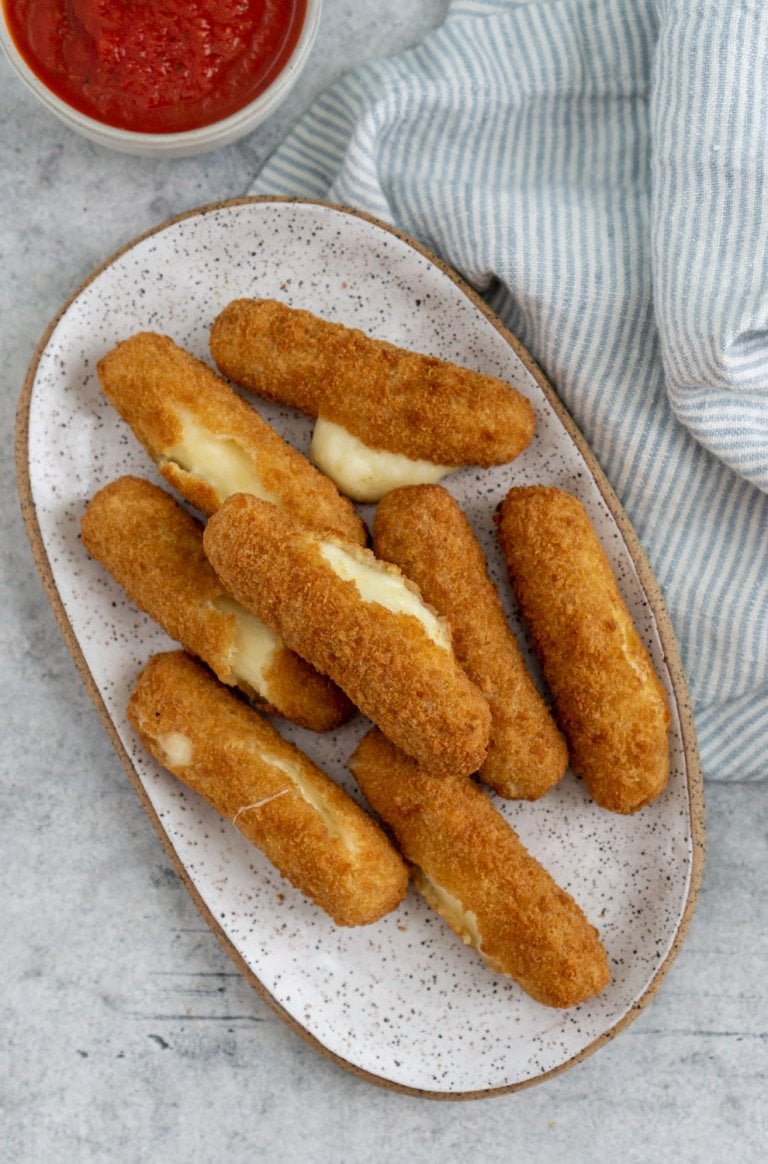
<point>646,577</point>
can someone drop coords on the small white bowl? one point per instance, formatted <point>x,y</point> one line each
<point>187,142</point>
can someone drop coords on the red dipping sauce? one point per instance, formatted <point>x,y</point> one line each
<point>156,66</point>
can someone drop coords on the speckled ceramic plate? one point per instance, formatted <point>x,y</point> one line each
<point>402,1002</point>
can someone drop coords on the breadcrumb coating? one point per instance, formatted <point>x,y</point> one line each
<point>307,826</point>
<point>424,532</point>
<point>472,867</point>
<point>154,549</point>
<point>608,699</point>
<point>385,661</point>
<point>386,396</point>
<point>157,387</point>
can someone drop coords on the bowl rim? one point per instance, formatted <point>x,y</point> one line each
<point>227,128</point>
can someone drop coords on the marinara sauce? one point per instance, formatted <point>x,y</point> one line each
<point>156,66</point>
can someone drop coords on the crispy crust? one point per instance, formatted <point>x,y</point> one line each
<point>347,866</point>
<point>422,530</point>
<point>149,379</point>
<point>609,701</point>
<point>154,549</point>
<point>529,928</point>
<point>389,398</point>
<point>385,661</point>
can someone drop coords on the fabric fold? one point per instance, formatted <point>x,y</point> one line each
<point>710,225</point>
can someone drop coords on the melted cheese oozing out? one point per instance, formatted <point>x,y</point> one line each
<point>253,648</point>
<point>376,584</point>
<point>363,473</point>
<point>177,749</point>
<point>219,460</point>
<point>295,775</point>
<point>463,921</point>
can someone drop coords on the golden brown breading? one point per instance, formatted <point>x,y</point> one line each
<point>308,827</point>
<point>424,532</point>
<point>474,870</point>
<point>608,700</point>
<point>301,584</point>
<point>387,397</point>
<point>154,549</point>
<point>178,406</point>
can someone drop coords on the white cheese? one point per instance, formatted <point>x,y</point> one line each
<point>375,583</point>
<point>296,776</point>
<point>365,474</point>
<point>221,461</point>
<point>463,921</point>
<point>253,648</point>
<point>177,748</point>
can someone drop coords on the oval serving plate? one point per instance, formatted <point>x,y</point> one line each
<point>402,1003</point>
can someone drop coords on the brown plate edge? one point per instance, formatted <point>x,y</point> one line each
<point>635,550</point>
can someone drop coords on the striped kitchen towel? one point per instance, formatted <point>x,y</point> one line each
<point>598,169</point>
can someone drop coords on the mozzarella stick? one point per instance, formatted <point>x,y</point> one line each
<point>472,868</point>
<point>154,549</point>
<point>358,621</point>
<point>423,531</point>
<point>608,700</point>
<point>209,443</point>
<point>386,416</point>
<point>308,827</point>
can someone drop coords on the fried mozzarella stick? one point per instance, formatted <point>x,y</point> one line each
<point>386,416</point>
<point>423,531</point>
<point>475,872</point>
<point>357,620</point>
<point>154,549</point>
<point>308,827</point>
<point>208,442</point>
<point>608,700</point>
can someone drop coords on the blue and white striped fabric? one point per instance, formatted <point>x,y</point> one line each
<point>598,169</point>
